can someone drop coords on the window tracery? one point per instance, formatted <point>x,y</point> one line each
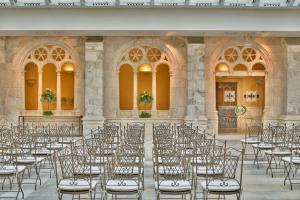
<point>240,58</point>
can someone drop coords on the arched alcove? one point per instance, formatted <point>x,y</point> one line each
<point>144,83</point>
<point>126,87</point>
<point>31,86</point>
<point>221,67</point>
<point>240,67</point>
<point>49,82</point>
<point>67,86</point>
<point>258,67</point>
<point>162,87</point>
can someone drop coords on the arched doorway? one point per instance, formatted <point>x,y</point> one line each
<point>240,81</point>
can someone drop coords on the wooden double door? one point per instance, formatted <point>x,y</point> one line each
<point>226,93</point>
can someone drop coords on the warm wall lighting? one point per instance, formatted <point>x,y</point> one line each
<point>145,68</point>
<point>68,67</point>
<point>222,68</point>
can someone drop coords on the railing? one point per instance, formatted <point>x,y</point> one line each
<point>75,121</point>
<point>150,3</point>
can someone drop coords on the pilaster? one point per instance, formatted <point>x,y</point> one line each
<point>93,86</point>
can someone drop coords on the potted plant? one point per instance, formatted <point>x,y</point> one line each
<point>145,98</point>
<point>48,96</point>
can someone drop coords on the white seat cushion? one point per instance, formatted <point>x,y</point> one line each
<point>122,186</point>
<point>295,160</point>
<point>229,185</point>
<point>278,153</point>
<point>9,169</point>
<point>55,146</point>
<point>173,186</point>
<point>76,185</point>
<point>41,152</point>
<point>263,146</point>
<point>29,160</point>
<point>250,140</point>
<point>202,171</point>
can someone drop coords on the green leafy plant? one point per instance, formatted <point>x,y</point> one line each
<point>48,96</point>
<point>145,98</point>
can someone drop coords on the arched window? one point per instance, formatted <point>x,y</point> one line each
<point>150,75</point>
<point>258,67</point>
<point>31,86</point>
<point>126,87</point>
<point>240,67</point>
<point>53,65</point>
<point>222,68</point>
<point>240,59</point>
<point>162,87</point>
<point>67,86</point>
<point>50,82</point>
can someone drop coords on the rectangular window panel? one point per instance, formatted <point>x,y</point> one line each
<point>204,3</point>
<point>100,2</point>
<point>273,3</point>
<point>66,2</point>
<point>31,3</point>
<point>169,3</point>
<point>135,2</point>
<point>239,3</point>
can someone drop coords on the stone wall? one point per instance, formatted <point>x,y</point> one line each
<point>293,87</point>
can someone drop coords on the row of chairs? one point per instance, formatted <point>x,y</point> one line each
<point>111,161</point>
<point>187,160</point>
<point>279,145</point>
<point>24,152</point>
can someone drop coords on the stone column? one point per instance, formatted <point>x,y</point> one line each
<point>292,108</point>
<point>40,89</point>
<point>154,90</point>
<point>93,116</point>
<point>58,90</point>
<point>135,89</point>
<point>195,111</point>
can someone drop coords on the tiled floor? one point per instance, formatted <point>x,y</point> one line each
<point>256,184</point>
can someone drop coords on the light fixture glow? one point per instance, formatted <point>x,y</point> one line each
<point>222,68</point>
<point>68,67</point>
<point>145,68</point>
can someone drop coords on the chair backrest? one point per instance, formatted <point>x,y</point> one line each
<point>254,130</point>
<point>72,166</point>
<point>267,136</point>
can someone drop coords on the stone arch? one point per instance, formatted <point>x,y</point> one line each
<point>174,62</point>
<point>21,59</point>
<point>211,74</point>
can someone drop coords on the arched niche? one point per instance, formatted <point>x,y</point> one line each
<point>31,86</point>
<point>258,67</point>
<point>49,81</point>
<point>222,68</point>
<point>126,87</point>
<point>162,87</point>
<point>240,67</point>
<point>144,83</point>
<point>67,86</point>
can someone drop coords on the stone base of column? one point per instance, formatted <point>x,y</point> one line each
<point>200,121</point>
<point>90,123</point>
